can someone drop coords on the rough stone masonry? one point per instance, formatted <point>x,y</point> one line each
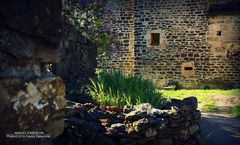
<point>177,123</point>
<point>189,41</point>
<point>31,98</point>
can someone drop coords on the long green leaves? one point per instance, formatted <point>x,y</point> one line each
<point>115,88</point>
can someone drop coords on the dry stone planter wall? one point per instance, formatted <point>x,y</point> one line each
<point>175,124</point>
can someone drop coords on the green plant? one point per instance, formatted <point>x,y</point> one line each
<point>173,83</point>
<point>115,88</point>
<point>210,107</point>
<point>235,111</point>
<point>206,87</point>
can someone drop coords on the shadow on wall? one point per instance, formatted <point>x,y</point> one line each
<point>78,60</point>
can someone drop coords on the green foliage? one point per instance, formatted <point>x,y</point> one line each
<point>210,107</point>
<point>173,83</point>
<point>115,88</point>
<point>235,111</point>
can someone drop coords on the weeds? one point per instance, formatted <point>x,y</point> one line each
<point>210,107</point>
<point>235,111</point>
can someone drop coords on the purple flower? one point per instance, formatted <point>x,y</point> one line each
<point>98,1</point>
<point>96,24</point>
<point>64,2</point>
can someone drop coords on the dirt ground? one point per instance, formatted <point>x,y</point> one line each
<point>224,102</point>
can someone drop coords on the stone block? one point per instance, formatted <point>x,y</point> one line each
<point>32,105</point>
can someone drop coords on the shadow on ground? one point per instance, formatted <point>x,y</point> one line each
<point>219,129</point>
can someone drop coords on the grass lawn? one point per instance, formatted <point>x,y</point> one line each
<point>205,97</point>
<point>235,111</point>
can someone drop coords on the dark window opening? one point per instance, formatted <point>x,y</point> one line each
<point>155,39</point>
<point>188,68</point>
<point>219,33</point>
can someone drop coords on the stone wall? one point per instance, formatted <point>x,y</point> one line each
<point>175,124</point>
<point>77,61</point>
<point>196,32</point>
<point>31,98</point>
<point>123,11</point>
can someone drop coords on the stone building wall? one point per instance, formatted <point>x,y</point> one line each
<point>195,37</point>
<point>124,26</point>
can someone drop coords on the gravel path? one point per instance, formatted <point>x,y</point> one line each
<point>220,129</point>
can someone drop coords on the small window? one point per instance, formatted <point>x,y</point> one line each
<point>188,68</point>
<point>219,33</point>
<point>155,39</point>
